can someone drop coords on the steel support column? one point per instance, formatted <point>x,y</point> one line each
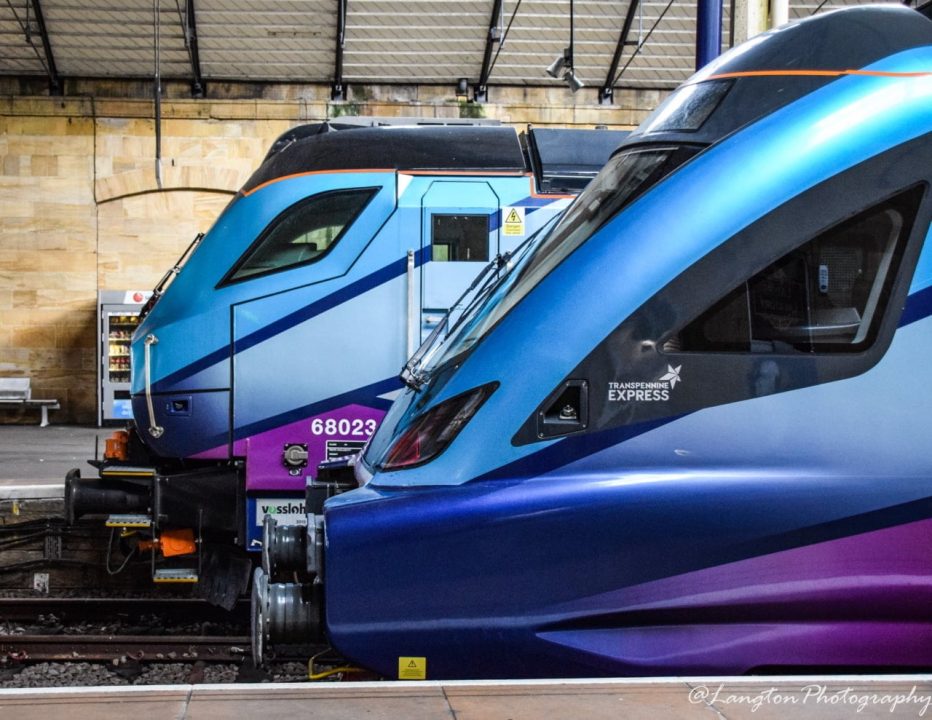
<point>779,12</point>
<point>708,31</point>
<point>337,90</point>
<point>749,18</point>
<point>190,41</point>
<point>494,36</point>
<point>55,87</point>
<point>607,91</point>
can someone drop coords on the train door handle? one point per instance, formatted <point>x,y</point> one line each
<point>155,431</point>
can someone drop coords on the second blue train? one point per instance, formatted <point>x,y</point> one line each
<point>275,343</point>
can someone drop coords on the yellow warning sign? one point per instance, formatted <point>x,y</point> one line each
<point>412,668</point>
<point>513,220</point>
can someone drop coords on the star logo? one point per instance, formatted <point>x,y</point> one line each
<point>672,375</point>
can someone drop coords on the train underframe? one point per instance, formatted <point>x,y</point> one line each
<point>188,518</point>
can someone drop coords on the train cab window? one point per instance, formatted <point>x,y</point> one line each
<point>459,238</point>
<point>825,296</point>
<point>302,234</point>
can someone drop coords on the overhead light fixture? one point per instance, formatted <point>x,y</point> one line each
<point>556,67</point>
<point>569,77</point>
<point>562,67</point>
<point>462,87</point>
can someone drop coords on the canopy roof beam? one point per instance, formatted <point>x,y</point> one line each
<point>607,91</point>
<point>190,42</point>
<point>55,86</point>
<point>338,89</point>
<point>494,36</point>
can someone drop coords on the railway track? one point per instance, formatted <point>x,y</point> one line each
<point>62,630</point>
<point>142,648</point>
<point>72,609</point>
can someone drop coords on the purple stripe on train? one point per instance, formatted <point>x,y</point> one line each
<point>327,435</point>
<point>864,600</point>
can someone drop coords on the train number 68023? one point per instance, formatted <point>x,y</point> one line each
<point>344,426</point>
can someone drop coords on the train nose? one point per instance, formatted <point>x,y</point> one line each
<point>181,409</point>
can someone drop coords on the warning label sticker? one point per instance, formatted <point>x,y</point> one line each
<point>412,668</point>
<point>513,220</point>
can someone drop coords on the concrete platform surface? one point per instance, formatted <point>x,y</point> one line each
<point>653,699</point>
<point>30,455</point>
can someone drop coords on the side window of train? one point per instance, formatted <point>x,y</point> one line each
<point>824,310</point>
<point>827,295</point>
<point>459,238</point>
<point>302,234</point>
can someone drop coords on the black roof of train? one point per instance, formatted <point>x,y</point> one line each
<point>488,149</point>
<point>563,160</point>
<point>845,39</point>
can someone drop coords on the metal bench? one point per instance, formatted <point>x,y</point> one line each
<point>18,392</point>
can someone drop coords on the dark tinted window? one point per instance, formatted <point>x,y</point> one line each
<point>302,234</point>
<point>827,295</point>
<point>688,108</point>
<point>460,238</point>
<point>627,176</point>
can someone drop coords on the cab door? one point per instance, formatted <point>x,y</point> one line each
<point>459,236</point>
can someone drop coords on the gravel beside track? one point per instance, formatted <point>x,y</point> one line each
<point>128,641</point>
<point>84,674</point>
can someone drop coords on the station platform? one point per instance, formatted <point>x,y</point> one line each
<point>673,698</point>
<point>32,456</point>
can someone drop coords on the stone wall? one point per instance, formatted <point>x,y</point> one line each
<point>81,210</point>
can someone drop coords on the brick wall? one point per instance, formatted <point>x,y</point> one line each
<point>80,209</point>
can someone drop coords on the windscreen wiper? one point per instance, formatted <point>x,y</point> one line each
<point>410,373</point>
<point>168,277</point>
<point>500,262</point>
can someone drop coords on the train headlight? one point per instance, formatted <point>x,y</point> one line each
<point>430,434</point>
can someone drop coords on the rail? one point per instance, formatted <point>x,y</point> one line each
<point>147,648</point>
<point>181,609</point>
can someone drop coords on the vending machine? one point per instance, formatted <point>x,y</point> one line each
<point>117,318</point>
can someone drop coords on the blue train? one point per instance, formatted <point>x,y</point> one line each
<point>275,343</point>
<point>686,432</point>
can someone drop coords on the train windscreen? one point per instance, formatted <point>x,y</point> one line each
<point>628,175</point>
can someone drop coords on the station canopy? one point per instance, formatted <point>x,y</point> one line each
<point>383,41</point>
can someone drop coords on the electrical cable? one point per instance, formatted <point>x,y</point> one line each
<point>819,7</point>
<point>322,674</point>
<point>502,43</point>
<point>157,22</point>
<point>26,32</point>
<point>641,44</point>
<point>109,553</point>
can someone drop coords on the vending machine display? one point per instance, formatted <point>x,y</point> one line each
<point>118,316</point>
<point>120,329</point>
